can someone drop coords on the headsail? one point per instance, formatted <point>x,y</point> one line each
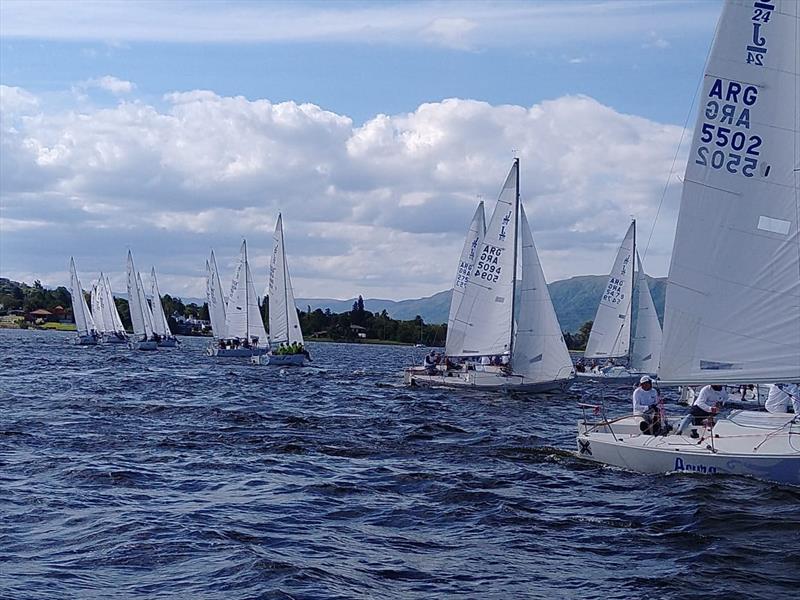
<point>611,330</point>
<point>456,330</point>
<point>83,318</point>
<point>160,323</point>
<point>646,342</point>
<point>483,322</point>
<point>539,352</point>
<point>284,325</point>
<point>733,294</point>
<point>215,299</point>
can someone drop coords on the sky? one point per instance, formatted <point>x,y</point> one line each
<point>171,128</point>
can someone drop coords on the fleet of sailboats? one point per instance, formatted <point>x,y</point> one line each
<point>626,354</point>
<point>732,310</point>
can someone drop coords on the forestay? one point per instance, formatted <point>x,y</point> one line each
<point>539,351</point>
<point>646,343</point>
<point>83,318</point>
<point>611,330</point>
<point>733,294</point>
<point>456,330</point>
<point>215,299</point>
<point>483,321</point>
<point>284,325</point>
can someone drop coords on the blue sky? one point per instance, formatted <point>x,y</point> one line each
<point>104,73</point>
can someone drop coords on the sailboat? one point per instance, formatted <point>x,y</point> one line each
<point>243,332</point>
<point>733,293</point>
<point>160,323</point>
<point>284,325</point>
<point>487,324</point>
<point>84,323</point>
<point>106,315</point>
<point>216,305</point>
<point>115,332</point>
<point>141,317</point>
<point>612,337</point>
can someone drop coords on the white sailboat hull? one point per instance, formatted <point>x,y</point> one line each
<point>489,380</point>
<point>752,444</point>
<point>168,343</point>
<point>86,340</point>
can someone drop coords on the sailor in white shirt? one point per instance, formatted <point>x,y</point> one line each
<point>708,402</point>
<point>644,396</point>
<point>781,396</point>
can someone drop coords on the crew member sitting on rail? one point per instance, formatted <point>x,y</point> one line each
<point>781,396</point>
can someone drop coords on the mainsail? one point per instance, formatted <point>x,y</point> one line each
<point>733,294</point>
<point>611,330</point>
<point>284,326</point>
<point>243,316</point>
<point>215,299</point>
<point>646,342</point>
<point>456,330</point>
<point>539,352</point>
<point>160,323</point>
<point>96,302</point>
<point>485,314</point>
<point>83,318</point>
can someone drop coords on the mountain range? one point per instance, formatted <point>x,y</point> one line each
<point>574,299</point>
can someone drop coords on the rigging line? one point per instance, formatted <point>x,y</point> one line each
<point>680,141</point>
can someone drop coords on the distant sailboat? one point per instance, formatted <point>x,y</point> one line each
<point>732,311</point>
<point>160,324</point>
<point>612,337</point>
<point>141,317</point>
<point>84,323</point>
<point>215,300</point>
<point>487,326</point>
<point>106,315</point>
<point>244,332</point>
<point>284,325</point>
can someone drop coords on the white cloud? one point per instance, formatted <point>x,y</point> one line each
<point>109,83</point>
<point>378,209</point>
<point>654,40</point>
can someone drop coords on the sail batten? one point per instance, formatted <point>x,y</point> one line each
<point>732,310</point>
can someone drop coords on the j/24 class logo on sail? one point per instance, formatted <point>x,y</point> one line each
<point>757,45</point>
<point>488,267</point>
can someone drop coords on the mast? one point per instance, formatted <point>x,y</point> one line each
<point>514,268</point>
<point>246,295</point>
<point>285,283</point>
<point>633,284</point>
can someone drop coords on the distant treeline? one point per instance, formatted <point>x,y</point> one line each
<point>352,325</point>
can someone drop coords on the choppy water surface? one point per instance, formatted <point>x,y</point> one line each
<point>172,474</point>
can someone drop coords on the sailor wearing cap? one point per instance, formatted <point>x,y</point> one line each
<point>644,396</point>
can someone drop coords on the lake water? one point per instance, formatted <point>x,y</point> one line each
<point>174,475</point>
